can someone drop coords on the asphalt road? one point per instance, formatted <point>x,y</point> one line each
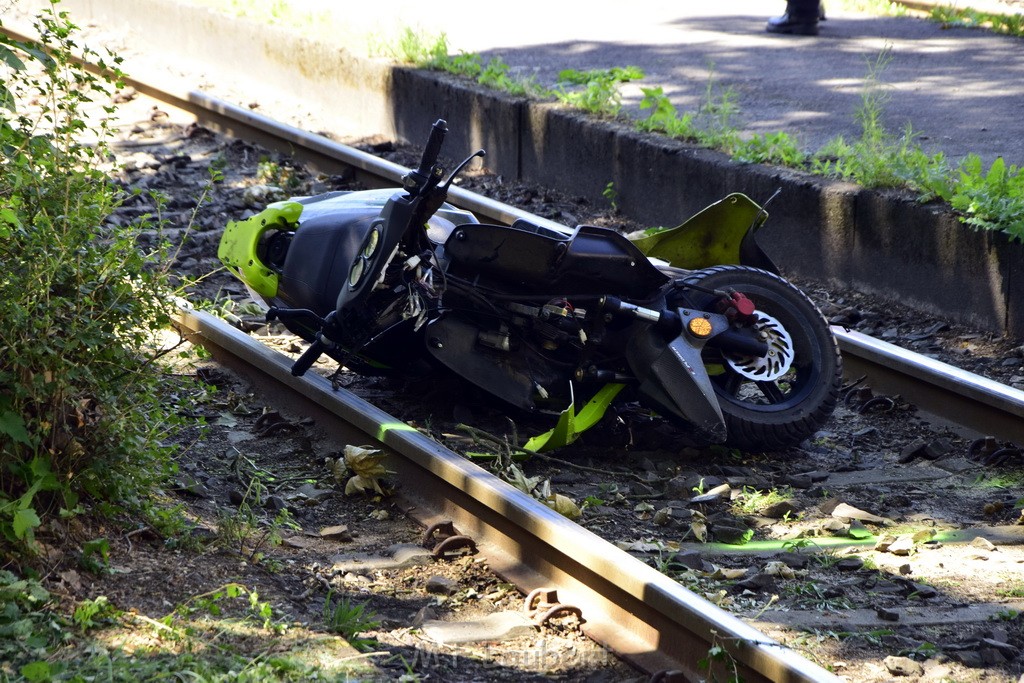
<point>961,90</point>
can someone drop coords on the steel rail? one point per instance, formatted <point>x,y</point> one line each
<point>321,152</point>
<point>961,397</point>
<point>633,610</point>
<point>317,151</point>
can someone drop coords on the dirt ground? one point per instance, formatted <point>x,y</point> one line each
<point>866,559</point>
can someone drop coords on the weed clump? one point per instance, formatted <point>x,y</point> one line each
<point>82,419</point>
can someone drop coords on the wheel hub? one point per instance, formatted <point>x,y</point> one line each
<point>776,362</point>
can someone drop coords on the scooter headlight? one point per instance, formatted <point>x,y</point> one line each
<point>355,274</point>
<point>372,241</point>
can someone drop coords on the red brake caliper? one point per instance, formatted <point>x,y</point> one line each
<point>737,308</point>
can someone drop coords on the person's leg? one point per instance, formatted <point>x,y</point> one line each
<point>801,18</point>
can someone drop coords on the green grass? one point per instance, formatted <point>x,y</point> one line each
<point>950,16</point>
<point>226,635</point>
<point>348,618</point>
<point>752,501</point>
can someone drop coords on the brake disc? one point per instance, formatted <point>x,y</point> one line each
<point>780,352</point>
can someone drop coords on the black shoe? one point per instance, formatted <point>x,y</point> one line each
<point>793,25</point>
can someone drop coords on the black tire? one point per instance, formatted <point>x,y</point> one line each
<point>772,415</point>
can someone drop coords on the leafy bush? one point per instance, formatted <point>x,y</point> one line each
<point>988,200</point>
<point>711,125</point>
<point>992,200</point>
<point>664,117</point>
<point>433,54</point>
<point>349,619</point>
<point>80,413</point>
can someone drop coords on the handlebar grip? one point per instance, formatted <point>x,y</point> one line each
<point>275,313</point>
<point>433,148</point>
<point>308,357</point>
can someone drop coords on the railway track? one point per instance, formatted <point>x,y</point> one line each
<point>629,607</point>
<point>634,610</point>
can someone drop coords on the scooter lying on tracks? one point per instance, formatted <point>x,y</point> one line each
<point>693,323</point>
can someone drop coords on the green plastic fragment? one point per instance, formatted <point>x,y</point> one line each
<point>709,238</point>
<point>570,424</point>
<point>237,248</point>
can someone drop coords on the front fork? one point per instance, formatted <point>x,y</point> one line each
<point>665,356</point>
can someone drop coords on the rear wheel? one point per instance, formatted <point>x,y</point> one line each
<point>777,401</point>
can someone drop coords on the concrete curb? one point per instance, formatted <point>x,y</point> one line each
<point>881,243</point>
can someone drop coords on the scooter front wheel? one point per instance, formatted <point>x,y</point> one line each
<point>776,401</point>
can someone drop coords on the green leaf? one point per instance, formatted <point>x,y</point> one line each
<point>99,546</point>
<point>13,426</point>
<point>24,521</point>
<point>43,474</point>
<point>6,98</point>
<point>36,671</point>
<point>9,216</point>
<point>996,172</point>
<point>10,59</point>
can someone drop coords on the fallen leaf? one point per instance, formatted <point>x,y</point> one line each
<point>360,484</point>
<point>729,573</point>
<point>226,420</point>
<point>844,511</point>
<point>72,579</point>
<point>367,463</point>
<point>338,469</point>
<point>924,535</point>
<point>639,546</point>
<point>564,506</point>
<point>780,569</point>
<point>721,598</point>
<point>518,478</point>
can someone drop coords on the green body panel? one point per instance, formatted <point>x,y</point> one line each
<point>237,248</point>
<point>710,238</point>
<point>571,425</point>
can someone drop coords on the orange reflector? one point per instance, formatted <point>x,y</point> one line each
<point>699,327</point>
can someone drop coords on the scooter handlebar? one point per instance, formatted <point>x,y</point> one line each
<point>433,148</point>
